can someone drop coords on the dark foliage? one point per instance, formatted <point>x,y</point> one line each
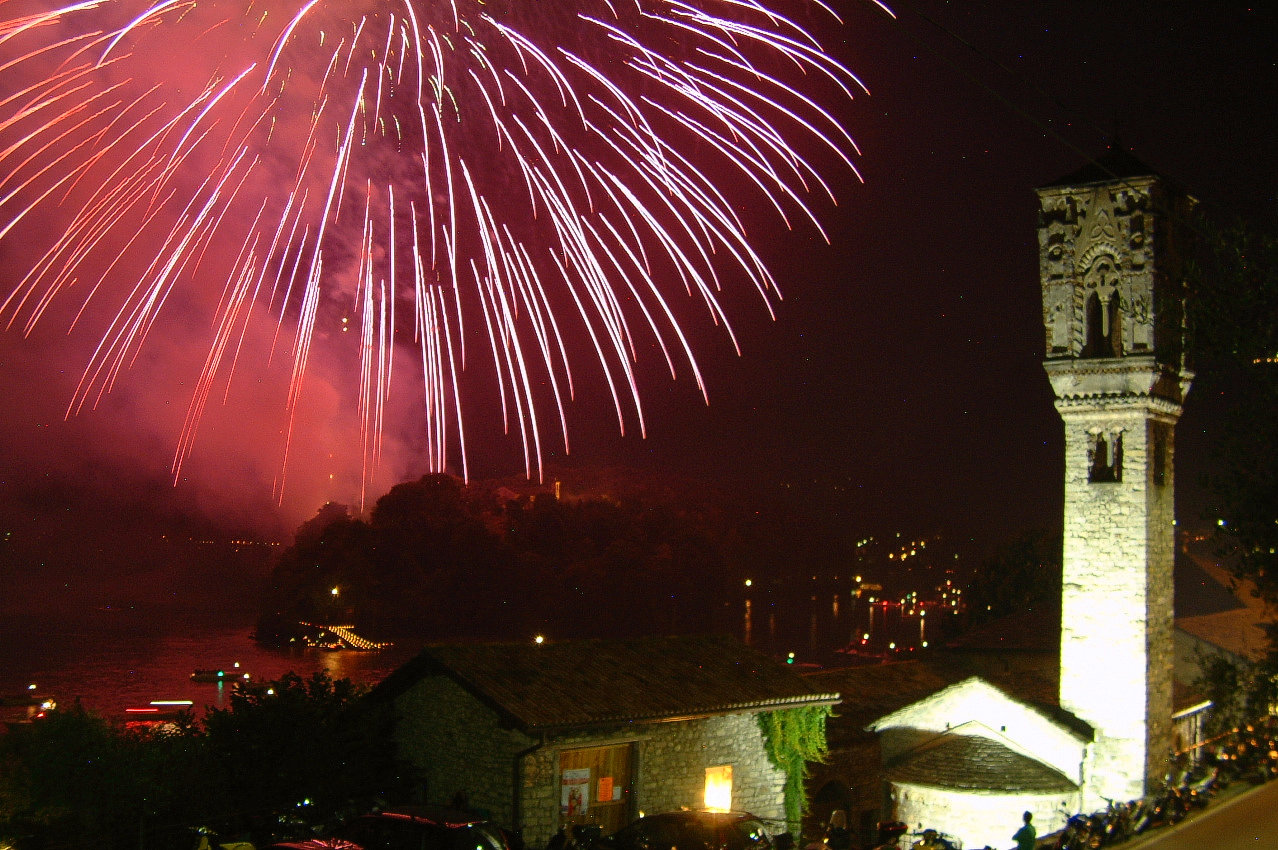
<point>1234,336</point>
<point>283,756</point>
<point>438,559</point>
<point>1233,305</point>
<point>73,780</point>
<point>1024,576</point>
<point>1238,694</point>
<point>294,744</point>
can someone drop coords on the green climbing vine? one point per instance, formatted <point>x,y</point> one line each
<point>793,737</point>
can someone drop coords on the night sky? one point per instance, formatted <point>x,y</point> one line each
<point>900,384</point>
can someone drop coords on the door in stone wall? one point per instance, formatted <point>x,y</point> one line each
<point>595,787</point>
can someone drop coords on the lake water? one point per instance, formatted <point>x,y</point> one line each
<point>113,659</point>
<point>110,659</point>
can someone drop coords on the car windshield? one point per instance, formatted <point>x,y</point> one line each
<point>748,834</point>
<point>477,837</point>
<point>648,834</point>
<point>700,835</point>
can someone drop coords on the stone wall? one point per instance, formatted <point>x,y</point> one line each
<point>539,784</point>
<point>674,757</point>
<point>460,745</point>
<point>1116,617</point>
<point>1160,594</point>
<point>850,778</point>
<point>670,770</point>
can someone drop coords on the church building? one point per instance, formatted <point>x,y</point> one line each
<point>968,757</point>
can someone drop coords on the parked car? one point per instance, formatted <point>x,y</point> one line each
<point>691,830</point>
<point>409,828</point>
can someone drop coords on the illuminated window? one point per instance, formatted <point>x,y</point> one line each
<point>719,788</point>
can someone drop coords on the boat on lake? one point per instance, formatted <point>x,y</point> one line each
<point>220,675</point>
<point>26,706</point>
<point>159,711</point>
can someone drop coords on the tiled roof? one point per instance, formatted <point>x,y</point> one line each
<point>878,690</point>
<point>1218,608</point>
<point>964,762</point>
<point>592,683</point>
<point>875,691</point>
<point>1205,587</point>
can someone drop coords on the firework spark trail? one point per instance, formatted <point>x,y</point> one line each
<point>517,183</point>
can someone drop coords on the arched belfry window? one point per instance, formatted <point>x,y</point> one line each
<point>1105,458</point>
<point>1104,326</point>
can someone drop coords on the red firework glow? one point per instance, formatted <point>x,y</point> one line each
<point>452,179</point>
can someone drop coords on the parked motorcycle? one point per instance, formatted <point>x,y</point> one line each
<point>1081,832</point>
<point>933,840</point>
<point>1199,786</point>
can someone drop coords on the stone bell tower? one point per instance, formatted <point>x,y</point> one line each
<point>1111,252</point>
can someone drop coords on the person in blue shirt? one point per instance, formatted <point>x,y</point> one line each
<point>1026,838</point>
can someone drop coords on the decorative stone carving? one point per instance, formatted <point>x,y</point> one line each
<point>1097,239</point>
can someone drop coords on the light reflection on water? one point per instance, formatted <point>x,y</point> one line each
<point>815,626</point>
<point>112,660</point>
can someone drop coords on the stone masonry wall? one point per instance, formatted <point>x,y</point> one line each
<point>670,770</point>
<point>673,762</point>
<point>1116,663</point>
<point>459,745</point>
<point>1160,602</point>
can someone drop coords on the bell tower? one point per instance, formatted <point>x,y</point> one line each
<point>1111,255</point>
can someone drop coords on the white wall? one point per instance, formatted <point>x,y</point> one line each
<point>978,819</point>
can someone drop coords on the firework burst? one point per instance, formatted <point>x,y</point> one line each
<point>449,180</point>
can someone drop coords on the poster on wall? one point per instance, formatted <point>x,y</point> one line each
<point>574,791</point>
